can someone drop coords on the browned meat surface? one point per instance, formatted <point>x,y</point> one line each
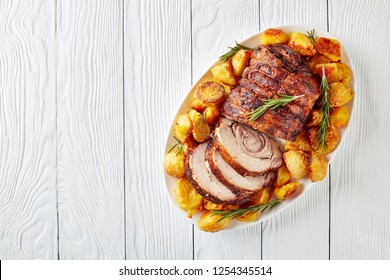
<point>273,70</point>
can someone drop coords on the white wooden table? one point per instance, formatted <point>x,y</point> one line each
<point>88,90</point>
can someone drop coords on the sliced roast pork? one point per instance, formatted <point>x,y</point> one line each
<point>231,178</point>
<point>248,151</point>
<point>206,184</point>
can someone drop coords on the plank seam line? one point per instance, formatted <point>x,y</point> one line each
<point>330,173</point>
<point>124,128</point>
<point>192,78</point>
<point>56,127</point>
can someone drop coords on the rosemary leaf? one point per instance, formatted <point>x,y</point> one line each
<point>179,147</point>
<point>235,213</point>
<point>312,35</point>
<point>325,109</point>
<point>202,120</point>
<point>233,51</point>
<point>271,104</point>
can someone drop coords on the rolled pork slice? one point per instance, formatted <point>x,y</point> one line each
<point>206,184</point>
<point>248,151</point>
<point>234,180</point>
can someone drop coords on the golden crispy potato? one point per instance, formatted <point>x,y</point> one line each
<point>228,89</point>
<point>210,93</point>
<point>190,142</point>
<point>318,165</point>
<point>315,118</point>
<point>329,47</point>
<point>250,217</point>
<point>317,59</point>
<point>273,36</point>
<point>201,130</point>
<point>174,163</point>
<point>208,205</point>
<point>198,105</point>
<point>339,94</point>
<point>301,143</point>
<point>261,197</point>
<point>209,222</point>
<point>239,61</point>
<point>183,127</point>
<point>296,162</point>
<point>187,197</point>
<point>283,176</point>
<point>334,72</point>
<point>286,190</point>
<point>223,73</point>
<point>212,114</point>
<point>300,43</point>
<point>339,116</point>
<point>332,139</point>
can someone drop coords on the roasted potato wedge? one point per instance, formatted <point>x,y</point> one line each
<point>250,217</point>
<point>174,163</point>
<point>198,105</point>
<point>261,197</point>
<point>209,222</point>
<point>340,116</point>
<point>318,165</point>
<point>329,47</point>
<point>315,118</point>
<point>201,130</point>
<point>223,73</point>
<point>335,72</point>
<point>332,139</point>
<point>187,197</point>
<point>212,114</point>
<point>301,143</point>
<point>208,205</point>
<point>239,61</point>
<point>286,190</point>
<point>317,59</point>
<point>339,94</point>
<point>300,43</point>
<point>210,93</point>
<point>183,127</point>
<point>283,176</point>
<point>296,162</point>
<point>273,36</point>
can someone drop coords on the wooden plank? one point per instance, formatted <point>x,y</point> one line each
<point>360,178</point>
<point>300,232</point>
<point>90,130</point>
<point>28,217</point>
<point>157,77</point>
<point>216,26</point>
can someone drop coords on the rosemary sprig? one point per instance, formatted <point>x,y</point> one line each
<point>271,104</point>
<point>233,51</point>
<point>325,109</point>
<point>179,146</point>
<point>312,35</point>
<point>235,213</point>
<point>202,120</point>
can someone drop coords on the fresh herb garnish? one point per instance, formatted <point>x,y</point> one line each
<point>233,51</point>
<point>271,104</point>
<point>179,146</point>
<point>312,35</point>
<point>202,120</point>
<point>235,213</point>
<point>325,109</point>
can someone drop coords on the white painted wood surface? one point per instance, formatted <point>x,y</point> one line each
<point>88,90</point>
